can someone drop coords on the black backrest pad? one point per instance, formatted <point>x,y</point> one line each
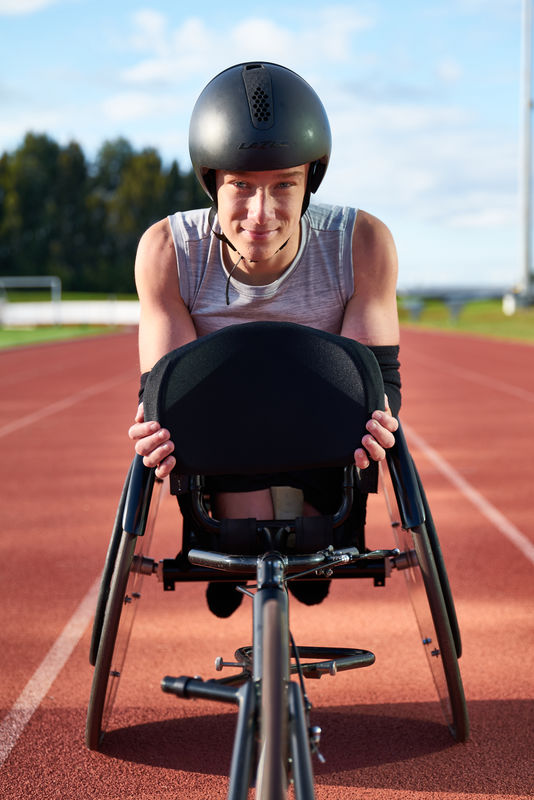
<point>264,397</point>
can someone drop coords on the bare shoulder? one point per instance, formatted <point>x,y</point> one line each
<point>374,251</point>
<point>155,262</point>
<point>165,322</point>
<point>156,245</point>
<point>371,313</point>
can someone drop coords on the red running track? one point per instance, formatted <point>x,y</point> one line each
<point>65,408</point>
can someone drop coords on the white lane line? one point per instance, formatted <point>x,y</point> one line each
<point>44,676</point>
<point>66,402</point>
<point>488,510</point>
<point>490,382</point>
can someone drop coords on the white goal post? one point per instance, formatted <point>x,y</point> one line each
<point>51,282</point>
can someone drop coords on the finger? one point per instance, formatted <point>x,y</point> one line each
<point>147,445</point>
<point>382,434</point>
<point>157,455</point>
<point>374,450</point>
<point>166,467</point>
<point>140,416</point>
<point>361,459</point>
<point>142,430</point>
<point>386,420</point>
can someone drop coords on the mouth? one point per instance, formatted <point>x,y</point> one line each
<point>259,234</point>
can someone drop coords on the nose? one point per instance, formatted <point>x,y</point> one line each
<point>261,206</point>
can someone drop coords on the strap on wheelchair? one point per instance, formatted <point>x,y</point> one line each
<point>240,536</point>
<point>312,534</point>
<point>253,537</point>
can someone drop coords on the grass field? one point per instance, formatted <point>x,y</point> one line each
<point>483,318</point>
<point>15,337</point>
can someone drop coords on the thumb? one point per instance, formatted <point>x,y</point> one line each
<point>140,416</point>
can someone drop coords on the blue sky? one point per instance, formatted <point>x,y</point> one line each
<point>423,99</point>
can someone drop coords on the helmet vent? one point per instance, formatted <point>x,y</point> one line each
<point>261,106</point>
<point>259,94</point>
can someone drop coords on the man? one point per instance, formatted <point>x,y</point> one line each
<point>260,144</point>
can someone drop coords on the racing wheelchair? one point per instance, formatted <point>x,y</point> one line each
<point>305,397</point>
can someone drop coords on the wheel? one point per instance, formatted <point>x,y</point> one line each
<point>272,774</point>
<point>437,637</point>
<point>107,572</point>
<point>425,585</point>
<point>107,673</point>
<point>122,601</point>
<point>440,566</point>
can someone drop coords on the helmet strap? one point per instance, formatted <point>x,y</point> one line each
<point>228,281</point>
<point>220,236</point>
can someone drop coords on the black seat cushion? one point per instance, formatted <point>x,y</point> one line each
<point>263,397</point>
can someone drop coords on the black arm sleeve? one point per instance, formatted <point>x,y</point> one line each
<point>388,361</point>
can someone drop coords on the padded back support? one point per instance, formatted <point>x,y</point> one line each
<point>264,397</point>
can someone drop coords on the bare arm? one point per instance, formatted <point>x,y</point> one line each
<point>164,325</point>
<point>371,316</point>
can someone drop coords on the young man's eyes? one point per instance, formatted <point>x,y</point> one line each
<point>244,186</point>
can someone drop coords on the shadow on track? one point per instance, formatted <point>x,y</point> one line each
<point>382,746</point>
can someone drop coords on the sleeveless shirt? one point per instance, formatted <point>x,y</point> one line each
<point>314,290</point>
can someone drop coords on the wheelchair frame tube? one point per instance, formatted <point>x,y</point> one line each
<point>299,746</point>
<point>214,525</point>
<point>244,741</point>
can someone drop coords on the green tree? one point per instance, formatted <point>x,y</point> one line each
<point>29,208</point>
<point>60,215</point>
<point>137,202</point>
<point>70,245</point>
<point>111,160</point>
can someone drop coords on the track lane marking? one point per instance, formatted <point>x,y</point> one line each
<point>12,726</point>
<point>66,402</point>
<point>507,528</point>
<point>474,377</point>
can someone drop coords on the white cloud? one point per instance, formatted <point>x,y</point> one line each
<point>11,7</point>
<point>449,70</point>
<point>129,106</point>
<point>39,121</point>
<point>399,154</point>
<point>484,215</point>
<point>149,30</point>
<point>177,54</point>
<point>426,162</point>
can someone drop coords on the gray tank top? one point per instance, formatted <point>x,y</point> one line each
<point>313,291</point>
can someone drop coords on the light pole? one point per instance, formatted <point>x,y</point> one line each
<point>527,284</point>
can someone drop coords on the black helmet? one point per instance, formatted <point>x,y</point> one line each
<point>258,116</point>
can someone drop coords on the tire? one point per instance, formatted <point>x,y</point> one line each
<point>272,775</point>
<point>438,639</point>
<point>441,570</point>
<point>107,670</point>
<point>431,599</point>
<point>107,573</point>
<point>119,614</point>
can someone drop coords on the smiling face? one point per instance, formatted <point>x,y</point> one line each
<point>260,211</point>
